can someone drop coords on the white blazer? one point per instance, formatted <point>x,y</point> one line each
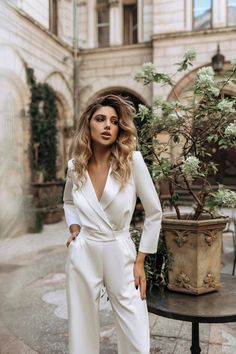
<point>115,209</point>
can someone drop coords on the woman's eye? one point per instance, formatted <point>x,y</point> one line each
<point>99,119</point>
<point>115,122</point>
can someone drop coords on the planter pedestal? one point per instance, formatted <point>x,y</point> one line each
<point>196,248</point>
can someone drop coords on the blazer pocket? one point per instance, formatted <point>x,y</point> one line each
<point>79,242</point>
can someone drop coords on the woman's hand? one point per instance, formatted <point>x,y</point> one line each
<point>72,237</point>
<point>139,275</point>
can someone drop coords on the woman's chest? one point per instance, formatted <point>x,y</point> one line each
<point>113,203</point>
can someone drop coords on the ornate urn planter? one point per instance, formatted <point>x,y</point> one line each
<point>48,198</point>
<point>196,248</point>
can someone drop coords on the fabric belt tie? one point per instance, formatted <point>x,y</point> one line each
<point>94,235</point>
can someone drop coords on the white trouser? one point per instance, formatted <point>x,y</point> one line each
<point>94,260</point>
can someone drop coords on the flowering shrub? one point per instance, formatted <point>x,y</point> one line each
<point>206,118</point>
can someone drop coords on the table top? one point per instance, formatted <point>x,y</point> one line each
<point>215,307</point>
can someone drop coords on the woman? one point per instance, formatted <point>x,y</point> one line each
<point>104,179</point>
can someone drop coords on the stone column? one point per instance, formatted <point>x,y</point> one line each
<point>92,23</point>
<point>116,23</point>
<point>140,21</point>
<point>188,15</point>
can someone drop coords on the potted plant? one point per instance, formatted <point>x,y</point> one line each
<point>176,138</point>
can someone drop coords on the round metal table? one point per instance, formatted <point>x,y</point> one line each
<point>216,307</point>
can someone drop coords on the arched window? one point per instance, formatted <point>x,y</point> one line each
<point>103,23</point>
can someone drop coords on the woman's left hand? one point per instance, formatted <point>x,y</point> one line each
<point>140,278</point>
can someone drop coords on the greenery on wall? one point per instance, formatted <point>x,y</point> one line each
<point>43,114</point>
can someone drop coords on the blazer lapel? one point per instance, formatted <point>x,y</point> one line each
<point>111,189</point>
<point>88,192</point>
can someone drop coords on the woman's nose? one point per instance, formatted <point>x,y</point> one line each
<point>108,124</point>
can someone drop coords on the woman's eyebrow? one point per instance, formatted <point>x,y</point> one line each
<point>100,115</point>
<point>104,116</point>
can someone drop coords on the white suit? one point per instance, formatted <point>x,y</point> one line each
<point>104,254</point>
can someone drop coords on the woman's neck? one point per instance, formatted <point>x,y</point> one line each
<point>101,156</point>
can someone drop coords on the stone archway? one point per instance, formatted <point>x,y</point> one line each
<point>65,119</point>
<point>129,94</point>
<point>14,141</point>
<point>132,96</point>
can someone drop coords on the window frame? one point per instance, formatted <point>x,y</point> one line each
<point>193,18</point>
<point>102,6</point>
<point>227,16</point>
<point>133,4</point>
<point>53,17</point>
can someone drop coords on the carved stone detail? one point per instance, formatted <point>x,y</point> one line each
<point>182,281</point>
<point>181,237</point>
<point>114,2</point>
<point>210,237</point>
<point>209,281</point>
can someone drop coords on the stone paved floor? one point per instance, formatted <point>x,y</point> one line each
<point>33,305</point>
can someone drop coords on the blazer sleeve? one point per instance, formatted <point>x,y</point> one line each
<point>70,210</point>
<point>146,191</point>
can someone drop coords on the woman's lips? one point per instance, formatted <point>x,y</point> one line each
<point>106,135</point>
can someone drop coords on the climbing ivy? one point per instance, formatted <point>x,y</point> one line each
<point>43,114</point>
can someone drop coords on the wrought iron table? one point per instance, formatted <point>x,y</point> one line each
<point>216,307</point>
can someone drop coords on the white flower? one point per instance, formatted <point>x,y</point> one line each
<point>205,81</point>
<point>175,117</point>
<point>226,198</point>
<point>143,110</point>
<point>231,129</point>
<point>190,166</point>
<point>149,67</point>
<point>190,54</point>
<point>226,106</point>
<point>146,74</point>
<point>214,90</point>
<point>205,74</point>
<point>233,63</point>
<point>229,199</point>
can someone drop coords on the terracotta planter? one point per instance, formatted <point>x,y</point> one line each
<point>48,197</point>
<point>52,216</point>
<point>47,193</point>
<point>196,248</point>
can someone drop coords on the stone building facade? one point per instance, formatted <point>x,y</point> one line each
<point>85,48</point>
<point>29,37</point>
<point>114,46</point>
<point>165,29</point>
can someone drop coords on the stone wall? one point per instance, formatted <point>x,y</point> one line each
<point>113,68</point>
<point>168,50</point>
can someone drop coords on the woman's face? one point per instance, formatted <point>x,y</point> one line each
<point>104,126</point>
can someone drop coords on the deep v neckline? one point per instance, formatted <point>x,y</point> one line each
<point>105,185</point>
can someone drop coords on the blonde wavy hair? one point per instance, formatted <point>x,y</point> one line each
<point>121,150</point>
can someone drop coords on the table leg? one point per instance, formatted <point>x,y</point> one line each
<point>195,348</point>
